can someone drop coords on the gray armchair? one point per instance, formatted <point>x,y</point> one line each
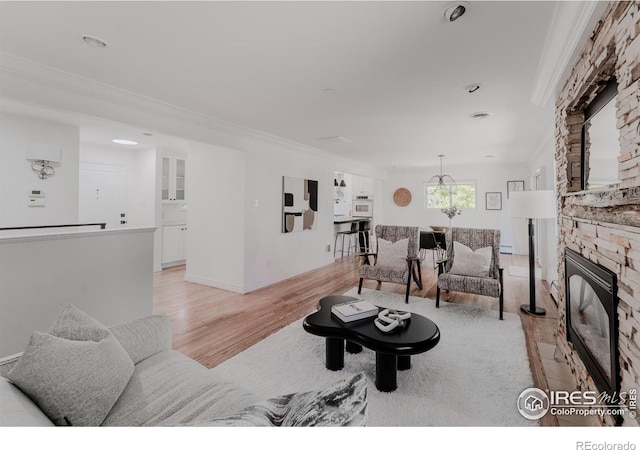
<point>390,266</point>
<point>489,283</point>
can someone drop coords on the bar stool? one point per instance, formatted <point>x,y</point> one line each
<point>364,242</point>
<point>349,234</point>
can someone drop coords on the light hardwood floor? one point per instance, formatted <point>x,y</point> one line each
<point>211,325</point>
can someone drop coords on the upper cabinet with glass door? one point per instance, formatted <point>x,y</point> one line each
<point>174,171</point>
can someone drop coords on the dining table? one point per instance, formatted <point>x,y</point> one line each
<point>435,241</point>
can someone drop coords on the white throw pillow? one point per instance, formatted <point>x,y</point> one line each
<point>392,254</point>
<point>471,263</point>
<point>76,372</point>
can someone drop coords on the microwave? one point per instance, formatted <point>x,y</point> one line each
<point>362,208</point>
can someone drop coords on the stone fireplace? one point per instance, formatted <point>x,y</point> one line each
<point>602,226</point>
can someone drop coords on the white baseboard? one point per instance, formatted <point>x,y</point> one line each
<point>215,284</point>
<point>173,264</point>
<point>257,285</point>
<point>285,276</point>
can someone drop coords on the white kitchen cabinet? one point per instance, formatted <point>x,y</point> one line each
<point>362,186</point>
<point>174,177</point>
<point>174,244</point>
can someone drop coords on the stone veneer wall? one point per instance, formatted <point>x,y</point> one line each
<point>604,225</point>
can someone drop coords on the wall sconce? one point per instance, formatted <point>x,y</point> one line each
<point>42,157</point>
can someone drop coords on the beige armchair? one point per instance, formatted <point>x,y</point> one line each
<point>396,258</point>
<point>476,269</point>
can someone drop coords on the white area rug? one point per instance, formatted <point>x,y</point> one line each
<point>520,271</point>
<point>471,378</point>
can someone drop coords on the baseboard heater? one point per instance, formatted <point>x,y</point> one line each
<point>506,249</point>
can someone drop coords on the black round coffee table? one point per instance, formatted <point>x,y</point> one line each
<point>393,350</point>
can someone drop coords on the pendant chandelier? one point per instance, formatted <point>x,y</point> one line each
<point>441,181</point>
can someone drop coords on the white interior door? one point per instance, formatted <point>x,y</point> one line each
<point>103,195</point>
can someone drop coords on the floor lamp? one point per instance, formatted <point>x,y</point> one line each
<point>532,205</point>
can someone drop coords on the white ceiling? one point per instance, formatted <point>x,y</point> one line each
<point>397,70</point>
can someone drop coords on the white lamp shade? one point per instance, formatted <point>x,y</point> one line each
<point>532,204</point>
<point>43,152</point>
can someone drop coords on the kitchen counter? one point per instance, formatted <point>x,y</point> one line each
<point>173,223</point>
<point>349,219</point>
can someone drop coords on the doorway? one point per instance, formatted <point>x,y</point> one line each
<point>103,195</point>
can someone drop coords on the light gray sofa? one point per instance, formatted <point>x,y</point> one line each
<point>166,388</point>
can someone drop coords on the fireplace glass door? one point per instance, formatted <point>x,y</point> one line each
<point>592,320</point>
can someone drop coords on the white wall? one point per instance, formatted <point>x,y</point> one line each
<point>216,197</point>
<point>107,274</point>
<point>17,179</point>
<point>488,178</point>
<point>271,255</point>
<point>234,240</point>
<point>142,189</point>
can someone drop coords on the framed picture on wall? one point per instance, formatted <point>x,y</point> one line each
<point>493,200</point>
<point>513,186</point>
<point>299,204</point>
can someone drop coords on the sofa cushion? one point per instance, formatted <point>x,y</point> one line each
<point>17,410</point>
<point>7,363</point>
<point>471,263</point>
<point>144,337</point>
<point>75,373</point>
<point>170,388</point>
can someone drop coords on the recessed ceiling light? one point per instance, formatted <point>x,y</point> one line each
<point>125,142</point>
<point>491,156</point>
<point>94,41</point>
<point>454,11</point>
<point>147,134</point>
<point>480,115</point>
<point>328,91</point>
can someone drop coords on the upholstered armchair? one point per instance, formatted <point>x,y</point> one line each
<point>472,264</point>
<point>396,258</point>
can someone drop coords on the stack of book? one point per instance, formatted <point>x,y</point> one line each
<point>354,310</point>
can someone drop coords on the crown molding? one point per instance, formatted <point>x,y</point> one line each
<point>572,22</point>
<point>58,80</point>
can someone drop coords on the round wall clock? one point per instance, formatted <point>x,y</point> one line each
<point>402,197</point>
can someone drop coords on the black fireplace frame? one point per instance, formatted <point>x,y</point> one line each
<point>600,279</point>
